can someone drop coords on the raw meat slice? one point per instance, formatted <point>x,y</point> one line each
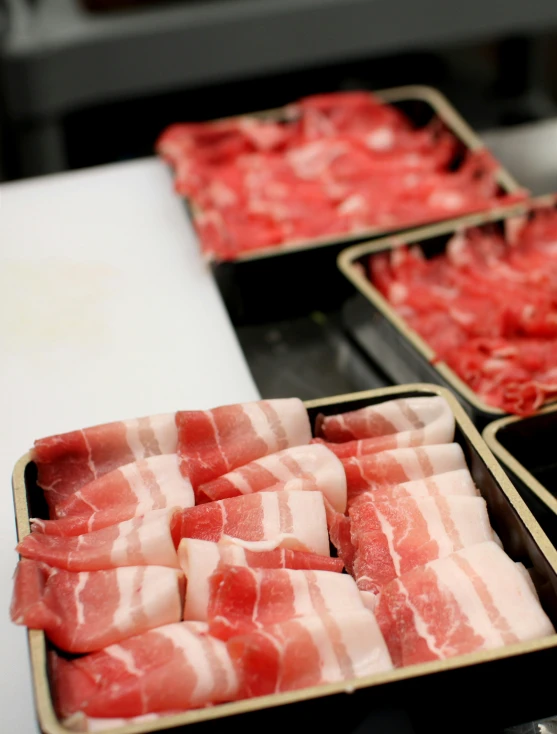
<point>83,612</point>
<point>173,668</point>
<point>450,484</point>
<point>310,651</point>
<point>68,461</point>
<point>419,417</point>
<point>130,491</point>
<point>400,465</point>
<point>392,536</point>
<point>142,541</point>
<point>200,558</point>
<point>341,538</point>
<point>213,442</point>
<point>475,599</point>
<point>245,599</point>
<point>261,521</point>
<point>315,465</point>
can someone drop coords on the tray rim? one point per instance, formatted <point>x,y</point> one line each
<point>346,263</point>
<point>442,107</point>
<point>50,724</point>
<point>507,459</point>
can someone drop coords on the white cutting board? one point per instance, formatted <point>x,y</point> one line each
<point>107,311</point>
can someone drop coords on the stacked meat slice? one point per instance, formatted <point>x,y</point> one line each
<point>200,572</point>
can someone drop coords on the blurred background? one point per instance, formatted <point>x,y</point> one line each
<point>87,82</point>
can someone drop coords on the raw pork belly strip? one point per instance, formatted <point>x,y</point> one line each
<point>246,599</point>
<point>213,442</point>
<point>392,536</point>
<point>424,418</point>
<point>173,668</point>
<point>130,491</point>
<point>315,465</point>
<point>199,559</point>
<point>68,461</point>
<point>400,465</point>
<point>450,484</point>
<point>82,612</point>
<point>475,599</point>
<point>310,651</point>
<point>262,521</point>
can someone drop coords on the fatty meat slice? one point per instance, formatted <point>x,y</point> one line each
<point>172,668</point>
<point>130,491</point>
<point>214,442</point>
<point>392,536</point>
<point>400,465</point>
<point>246,599</point>
<point>314,465</point>
<point>450,484</point>
<point>83,612</point>
<point>68,461</point>
<point>474,599</point>
<point>310,651</point>
<point>261,521</point>
<point>199,559</point>
<point>422,417</point>
<point>142,541</point>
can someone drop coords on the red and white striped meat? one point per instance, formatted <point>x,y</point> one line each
<point>130,491</point>
<point>214,442</point>
<point>173,668</point>
<point>245,599</point>
<point>199,559</point>
<point>392,536</point>
<point>314,466</point>
<point>475,599</point>
<point>261,521</point>
<point>68,461</point>
<point>450,484</point>
<point>400,465</point>
<point>310,651</point>
<point>428,420</point>
<point>83,612</point>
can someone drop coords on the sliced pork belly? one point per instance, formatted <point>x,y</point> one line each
<point>82,612</point>
<point>214,442</point>
<point>173,668</point>
<point>310,651</point>
<point>475,599</point>
<point>315,466</point>
<point>392,536</point>
<point>245,599</point>
<point>262,521</point>
<point>68,461</point>
<point>199,559</point>
<point>341,538</point>
<point>130,491</point>
<point>142,541</point>
<point>429,420</point>
<point>400,465</point>
<point>450,484</point>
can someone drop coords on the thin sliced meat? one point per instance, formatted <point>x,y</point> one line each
<point>400,465</point>
<point>130,491</point>
<point>424,419</point>
<point>214,442</point>
<point>310,651</point>
<point>314,465</point>
<point>341,538</point>
<point>450,484</point>
<point>261,521</point>
<point>83,612</point>
<point>246,599</point>
<point>475,599</point>
<point>68,461</point>
<point>392,536</point>
<point>199,559</point>
<point>142,541</point>
<point>173,668</point>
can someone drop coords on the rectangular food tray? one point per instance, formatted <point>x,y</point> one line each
<point>526,449</point>
<point>252,285</point>
<point>385,337</point>
<point>523,690</point>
